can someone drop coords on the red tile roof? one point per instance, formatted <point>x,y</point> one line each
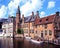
<point>48,19</point>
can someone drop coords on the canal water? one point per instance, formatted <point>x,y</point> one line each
<point>22,43</point>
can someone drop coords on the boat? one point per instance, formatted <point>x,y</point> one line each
<point>35,41</point>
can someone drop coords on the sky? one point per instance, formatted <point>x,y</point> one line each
<point>45,7</point>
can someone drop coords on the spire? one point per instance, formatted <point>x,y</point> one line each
<point>37,13</point>
<point>18,10</point>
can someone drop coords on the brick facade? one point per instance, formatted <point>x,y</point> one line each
<point>44,27</point>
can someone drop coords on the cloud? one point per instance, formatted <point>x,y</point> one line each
<point>42,14</point>
<point>31,5</point>
<point>12,6</point>
<point>51,4</point>
<point>3,10</point>
<point>26,9</point>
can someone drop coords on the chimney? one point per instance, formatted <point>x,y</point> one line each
<point>22,17</point>
<point>57,13</point>
<point>32,13</point>
<point>37,13</point>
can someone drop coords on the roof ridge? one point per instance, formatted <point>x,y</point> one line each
<point>47,16</point>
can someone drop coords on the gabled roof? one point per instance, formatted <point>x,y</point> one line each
<point>33,18</point>
<point>48,19</point>
<point>9,20</point>
<point>27,19</point>
<point>3,20</point>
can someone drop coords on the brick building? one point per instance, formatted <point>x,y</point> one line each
<point>8,26</point>
<point>25,23</point>
<point>46,27</point>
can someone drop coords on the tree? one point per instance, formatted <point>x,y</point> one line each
<point>20,31</point>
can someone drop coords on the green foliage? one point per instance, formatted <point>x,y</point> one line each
<point>20,31</point>
<point>12,16</point>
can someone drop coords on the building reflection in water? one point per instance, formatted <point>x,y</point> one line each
<point>22,43</point>
<point>6,42</point>
<point>17,43</point>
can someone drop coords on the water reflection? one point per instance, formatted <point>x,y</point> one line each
<point>6,42</point>
<point>22,43</point>
<point>18,43</point>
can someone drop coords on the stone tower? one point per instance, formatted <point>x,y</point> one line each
<point>18,14</point>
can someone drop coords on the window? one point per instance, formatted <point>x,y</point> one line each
<point>56,27</point>
<point>42,33</point>
<point>25,25</point>
<point>36,26</point>
<point>55,23</point>
<point>42,25</point>
<point>50,32</point>
<point>36,32</point>
<point>18,24</point>
<point>40,20</point>
<point>26,30</point>
<point>45,32</point>
<point>59,25</point>
<point>4,30</point>
<point>45,26</point>
<point>32,24</point>
<point>31,31</point>
<point>46,19</point>
<point>26,35</point>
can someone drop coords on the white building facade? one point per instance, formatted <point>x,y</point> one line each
<point>8,27</point>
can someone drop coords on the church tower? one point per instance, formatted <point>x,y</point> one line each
<point>18,16</point>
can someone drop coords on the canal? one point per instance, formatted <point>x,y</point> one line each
<point>22,43</point>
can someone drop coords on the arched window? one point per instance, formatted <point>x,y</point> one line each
<point>50,32</point>
<point>45,32</point>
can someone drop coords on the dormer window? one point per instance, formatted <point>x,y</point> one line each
<point>40,20</point>
<point>46,19</point>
